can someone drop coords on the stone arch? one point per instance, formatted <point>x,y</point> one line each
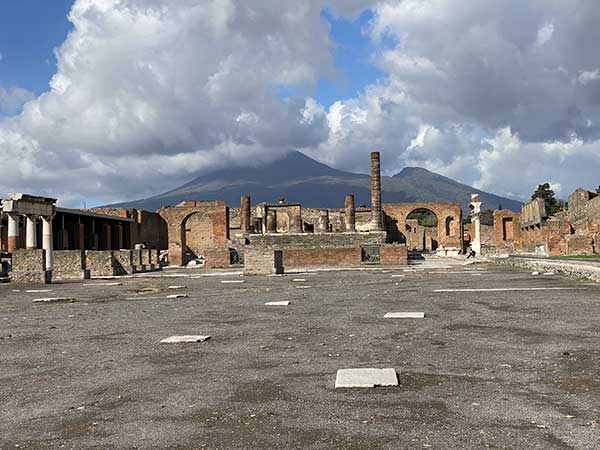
<point>450,226</point>
<point>212,218</point>
<point>442,210</point>
<point>197,234</point>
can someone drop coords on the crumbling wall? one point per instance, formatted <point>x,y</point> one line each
<point>28,266</point>
<point>69,265</point>
<point>123,262</point>
<point>100,263</point>
<point>303,258</point>
<point>393,255</point>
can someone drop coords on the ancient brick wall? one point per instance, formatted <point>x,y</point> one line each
<point>100,263</point>
<point>393,255</point>
<point>449,216</point>
<point>209,229</point>
<point>152,230</point>
<point>302,258</point>
<point>69,265</point>
<point>259,261</point>
<point>28,266</point>
<point>216,258</point>
<point>309,240</point>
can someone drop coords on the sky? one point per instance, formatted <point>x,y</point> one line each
<point>111,100</point>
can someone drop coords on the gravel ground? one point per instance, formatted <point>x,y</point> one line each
<point>501,370</point>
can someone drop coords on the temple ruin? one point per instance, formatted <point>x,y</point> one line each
<point>41,242</point>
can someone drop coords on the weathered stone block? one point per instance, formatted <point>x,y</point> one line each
<point>123,261</point>
<point>262,261</point>
<point>28,266</point>
<point>70,265</point>
<point>393,255</point>
<point>101,263</point>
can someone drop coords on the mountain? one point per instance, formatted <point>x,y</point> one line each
<point>298,178</point>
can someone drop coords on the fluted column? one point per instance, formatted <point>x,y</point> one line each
<point>376,213</point>
<point>47,243</point>
<point>13,232</point>
<point>31,232</point>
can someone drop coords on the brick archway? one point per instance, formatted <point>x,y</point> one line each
<point>212,234</point>
<point>449,216</point>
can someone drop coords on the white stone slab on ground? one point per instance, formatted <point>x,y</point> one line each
<point>365,378</point>
<point>37,291</point>
<point>280,303</point>
<point>233,281</point>
<point>173,288</point>
<point>404,315</point>
<point>303,287</point>
<point>177,296</point>
<point>54,300</point>
<point>184,339</point>
<point>299,280</point>
<point>103,284</point>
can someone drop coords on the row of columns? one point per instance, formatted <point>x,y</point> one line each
<point>323,225</point>
<point>31,235</point>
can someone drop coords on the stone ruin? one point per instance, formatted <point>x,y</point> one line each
<point>264,238</point>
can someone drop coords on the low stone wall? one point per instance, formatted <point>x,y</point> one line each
<point>316,240</point>
<point>574,269</point>
<point>123,262</point>
<point>28,266</point>
<point>393,255</point>
<point>69,265</point>
<point>216,258</point>
<point>262,261</point>
<point>147,259</point>
<point>304,258</point>
<point>101,263</point>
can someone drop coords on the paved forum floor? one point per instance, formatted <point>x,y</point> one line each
<point>502,369</point>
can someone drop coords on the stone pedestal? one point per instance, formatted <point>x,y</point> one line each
<point>29,266</point>
<point>263,261</point>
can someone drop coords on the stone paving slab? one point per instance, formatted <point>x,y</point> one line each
<point>404,315</point>
<point>185,339</point>
<point>365,378</point>
<point>282,303</point>
<point>55,300</point>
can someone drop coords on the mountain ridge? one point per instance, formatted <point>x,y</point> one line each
<point>299,178</point>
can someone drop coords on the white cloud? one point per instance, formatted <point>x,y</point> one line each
<point>13,99</point>
<point>149,93</point>
<point>545,34</point>
<point>587,76</point>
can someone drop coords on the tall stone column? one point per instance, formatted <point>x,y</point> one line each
<point>31,233</point>
<point>119,234</point>
<point>324,221</point>
<point>350,213</point>
<point>13,232</point>
<point>376,213</point>
<point>245,214</point>
<point>475,206</point>
<point>106,235</point>
<point>79,237</point>
<point>47,243</point>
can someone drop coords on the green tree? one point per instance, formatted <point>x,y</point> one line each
<point>544,192</point>
<point>486,217</point>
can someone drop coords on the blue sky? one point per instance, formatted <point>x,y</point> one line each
<point>494,97</point>
<point>29,32</point>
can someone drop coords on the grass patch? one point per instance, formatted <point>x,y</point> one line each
<point>594,256</point>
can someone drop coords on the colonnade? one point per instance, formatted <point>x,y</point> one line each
<point>31,234</point>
